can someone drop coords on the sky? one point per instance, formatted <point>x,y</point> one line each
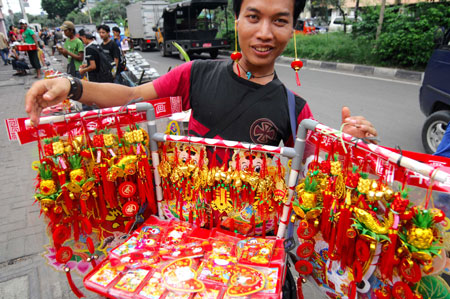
<point>34,9</point>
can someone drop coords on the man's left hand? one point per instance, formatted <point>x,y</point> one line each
<point>357,126</point>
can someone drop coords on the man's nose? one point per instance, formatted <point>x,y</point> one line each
<point>265,30</point>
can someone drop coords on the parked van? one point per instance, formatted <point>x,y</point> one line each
<point>434,94</point>
<point>337,23</point>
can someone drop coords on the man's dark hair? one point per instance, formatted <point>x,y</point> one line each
<point>82,32</point>
<point>116,29</point>
<point>11,27</point>
<point>299,5</point>
<point>104,27</point>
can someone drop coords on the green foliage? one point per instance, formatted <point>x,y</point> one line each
<point>406,39</point>
<point>336,46</point>
<point>59,8</point>
<point>110,10</point>
<point>78,17</point>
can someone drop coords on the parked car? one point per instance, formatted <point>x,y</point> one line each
<point>337,23</point>
<point>434,94</point>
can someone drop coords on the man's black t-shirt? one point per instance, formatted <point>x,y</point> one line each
<point>213,91</point>
<point>111,49</point>
<point>92,55</point>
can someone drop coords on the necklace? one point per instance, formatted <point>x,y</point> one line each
<point>250,75</point>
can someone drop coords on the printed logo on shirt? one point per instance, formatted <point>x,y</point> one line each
<point>263,131</point>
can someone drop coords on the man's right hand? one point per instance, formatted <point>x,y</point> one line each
<point>45,93</point>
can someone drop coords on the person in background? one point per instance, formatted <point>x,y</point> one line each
<point>97,36</point>
<point>12,34</point>
<point>18,60</point>
<point>4,48</point>
<point>73,49</point>
<point>91,56</point>
<point>117,37</point>
<point>110,48</point>
<point>29,36</point>
<point>57,39</point>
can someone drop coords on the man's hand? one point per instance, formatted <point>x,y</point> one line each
<point>357,126</point>
<point>45,93</point>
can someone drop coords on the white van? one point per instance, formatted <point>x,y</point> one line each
<point>337,23</point>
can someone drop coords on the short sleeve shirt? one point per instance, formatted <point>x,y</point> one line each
<point>111,49</point>
<point>28,36</point>
<point>213,90</point>
<point>74,46</point>
<point>92,55</point>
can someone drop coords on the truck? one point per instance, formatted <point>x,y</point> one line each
<point>193,25</point>
<point>142,16</point>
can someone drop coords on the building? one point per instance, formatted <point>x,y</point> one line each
<point>2,19</point>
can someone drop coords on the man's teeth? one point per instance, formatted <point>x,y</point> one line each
<point>262,49</point>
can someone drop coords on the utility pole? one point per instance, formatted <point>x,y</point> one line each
<point>380,20</point>
<point>22,8</point>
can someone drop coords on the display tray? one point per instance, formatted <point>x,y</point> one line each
<point>172,259</point>
<point>27,47</point>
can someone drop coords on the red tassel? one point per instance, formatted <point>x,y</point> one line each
<point>72,285</point>
<point>297,78</point>
<point>299,288</point>
<point>237,66</point>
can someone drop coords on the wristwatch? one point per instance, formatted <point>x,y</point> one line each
<point>76,88</point>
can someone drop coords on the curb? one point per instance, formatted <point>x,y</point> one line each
<point>382,72</point>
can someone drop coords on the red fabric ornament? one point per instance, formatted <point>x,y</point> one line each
<point>303,267</point>
<point>297,64</point>
<point>72,285</point>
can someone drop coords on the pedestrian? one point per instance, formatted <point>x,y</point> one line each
<point>110,48</point>
<point>57,40</point>
<point>12,35</point>
<point>72,50</point>
<point>4,48</point>
<point>91,56</point>
<point>29,36</point>
<point>117,37</point>
<point>18,60</point>
<point>214,89</point>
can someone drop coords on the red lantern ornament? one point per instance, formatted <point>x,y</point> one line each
<point>305,250</point>
<point>297,64</point>
<point>401,290</point>
<point>383,293</point>
<point>64,254</point>
<point>410,271</point>
<point>303,267</point>
<point>130,209</point>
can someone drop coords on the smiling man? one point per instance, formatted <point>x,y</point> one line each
<point>242,101</point>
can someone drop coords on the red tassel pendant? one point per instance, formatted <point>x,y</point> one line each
<point>72,285</point>
<point>297,64</point>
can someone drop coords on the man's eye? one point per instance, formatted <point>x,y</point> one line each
<point>253,17</point>
<point>281,22</point>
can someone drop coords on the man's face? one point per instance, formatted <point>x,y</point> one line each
<point>103,34</point>
<point>264,28</point>
<point>68,33</point>
<point>23,26</point>
<point>83,39</point>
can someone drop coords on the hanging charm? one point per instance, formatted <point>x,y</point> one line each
<point>297,64</point>
<point>236,55</point>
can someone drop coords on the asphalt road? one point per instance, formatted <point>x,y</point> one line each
<point>391,105</point>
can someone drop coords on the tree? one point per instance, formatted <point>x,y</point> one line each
<point>110,10</point>
<point>59,8</point>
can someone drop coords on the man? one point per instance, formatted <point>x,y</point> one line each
<point>29,36</point>
<point>91,55</point>
<point>117,37</point>
<point>57,39</point>
<point>4,48</point>
<point>73,49</point>
<point>110,48</point>
<point>214,89</point>
<point>12,35</point>
<point>18,60</point>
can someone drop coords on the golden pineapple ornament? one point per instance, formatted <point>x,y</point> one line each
<point>47,185</point>
<point>420,235</point>
<point>77,174</point>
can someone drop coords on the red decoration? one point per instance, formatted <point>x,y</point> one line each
<point>306,232</point>
<point>305,250</point>
<point>64,254</point>
<point>127,189</point>
<point>303,267</point>
<point>401,290</point>
<point>409,272</point>
<point>362,251</point>
<point>130,209</point>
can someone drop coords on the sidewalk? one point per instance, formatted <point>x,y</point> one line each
<point>24,272</point>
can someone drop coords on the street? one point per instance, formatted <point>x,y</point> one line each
<point>391,105</point>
